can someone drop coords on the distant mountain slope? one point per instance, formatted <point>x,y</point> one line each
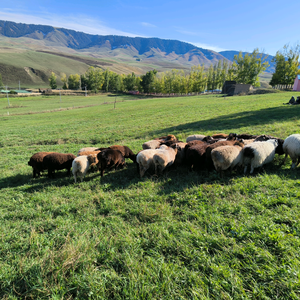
<point>79,40</point>
<point>76,51</point>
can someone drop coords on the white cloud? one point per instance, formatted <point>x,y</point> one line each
<point>209,47</point>
<point>145,24</point>
<point>78,23</point>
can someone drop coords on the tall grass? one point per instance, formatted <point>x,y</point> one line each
<point>184,235</point>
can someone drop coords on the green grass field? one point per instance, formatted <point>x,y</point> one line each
<point>184,235</point>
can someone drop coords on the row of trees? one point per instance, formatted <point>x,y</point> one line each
<point>244,69</point>
<point>287,67</point>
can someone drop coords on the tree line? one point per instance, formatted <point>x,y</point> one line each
<point>244,69</point>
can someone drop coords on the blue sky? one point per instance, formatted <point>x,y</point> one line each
<point>216,25</point>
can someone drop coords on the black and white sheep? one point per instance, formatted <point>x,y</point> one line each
<point>258,154</point>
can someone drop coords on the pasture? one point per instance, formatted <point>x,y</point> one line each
<point>183,235</point>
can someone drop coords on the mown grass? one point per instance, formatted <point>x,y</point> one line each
<point>184,235</point>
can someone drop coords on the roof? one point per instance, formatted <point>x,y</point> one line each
<point>4,91</point>
<point>21,91</point>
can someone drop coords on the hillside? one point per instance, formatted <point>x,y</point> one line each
<point>29,53</point>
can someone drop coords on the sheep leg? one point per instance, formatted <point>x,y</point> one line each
<point>245,169</point>
<point>252,169</point>
<point>294,163</point>
<point>142,170</point>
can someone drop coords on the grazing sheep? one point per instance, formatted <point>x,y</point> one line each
<point>180,156</point>
<point>195,156</point>
<point>110,158</point>
<point>258,154</point>
<point>36,162</point>
<point>164,158</point>
<point>220,136</point>
<point>126,151</point>
<point>249,141</point>
<point>208,160</point>
<point>169,140</point>
<point>153,144</point>
<point>58,161</point>
<point>91,153</point>
<point>144,159</point>
<point>246,136</point>
<point>194,137</point>
<point>291,147</point>
<point>81,164</point>
<point>86,149</point>
<point>225,157</point>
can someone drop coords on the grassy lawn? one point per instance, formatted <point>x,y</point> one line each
<point>184,235</point>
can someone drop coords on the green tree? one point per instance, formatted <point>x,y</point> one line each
<point>130,82</point>
<point>94,79</point>
<point>64,80</point>
<point>286,66</point>
<point>52,81</point>
<point>74,82</point>
<point>248,67</point>
<point>148,80</point>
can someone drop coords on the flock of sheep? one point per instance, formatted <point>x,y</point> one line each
<point>219,151</point>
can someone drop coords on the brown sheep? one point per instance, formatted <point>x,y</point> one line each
<point>36,162</point>
<point>110,158</point>
<point>220,136</point>
<point>58,161</point>
<point>195,156</point>
<point>126,151</point>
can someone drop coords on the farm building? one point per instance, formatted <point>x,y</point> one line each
<point>296,86</point>
<point>232,88</point>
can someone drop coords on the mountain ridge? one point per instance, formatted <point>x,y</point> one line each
<point>125,53</point>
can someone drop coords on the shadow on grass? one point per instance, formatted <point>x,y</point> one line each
<point>37,184</point>
<point>232,121</point>
<point>175,179</point>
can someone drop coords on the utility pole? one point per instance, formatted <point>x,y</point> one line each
<point>85,91</point>
<point>7,96</point>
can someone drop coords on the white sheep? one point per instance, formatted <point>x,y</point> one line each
<point>164,158</point>
<point>144,159</point>
<point>195,137</point>
<point>291,147</point>
<point>81,164</point>
<point>258,154</point>
<point>225,157</point>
